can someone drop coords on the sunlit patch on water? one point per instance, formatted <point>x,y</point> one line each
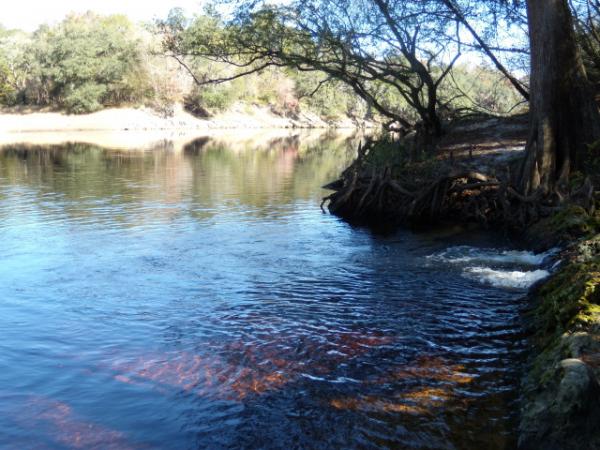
<point>433,368</point>
<point>183,371</point>
<point>239,369</point>
<point>377,405</point>
<point>437,381</point>
<point>421,402</point>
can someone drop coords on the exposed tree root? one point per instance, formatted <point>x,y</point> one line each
<point>368,193</point>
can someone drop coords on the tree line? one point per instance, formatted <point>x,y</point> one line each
<point>88,62</point>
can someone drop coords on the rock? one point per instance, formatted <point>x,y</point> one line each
<point>566,415</point>
<point>575,388</point>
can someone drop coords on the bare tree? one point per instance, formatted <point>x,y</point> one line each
<point>374,46</point>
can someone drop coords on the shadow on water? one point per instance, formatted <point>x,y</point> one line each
<point>196,297</point>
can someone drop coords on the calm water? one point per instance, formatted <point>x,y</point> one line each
<point>198,298</point>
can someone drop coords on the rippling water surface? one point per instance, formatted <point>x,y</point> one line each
<point>198,298</point>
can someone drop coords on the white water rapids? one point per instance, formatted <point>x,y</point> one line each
<point>507,269</point>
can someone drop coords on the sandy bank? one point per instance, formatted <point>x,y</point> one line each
<point>144,119</point>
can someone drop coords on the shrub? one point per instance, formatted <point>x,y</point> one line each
<point>85,98</point>
<point>210,98</point>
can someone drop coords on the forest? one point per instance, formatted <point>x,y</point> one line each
<point>89,62</point>
<point>400,59</point>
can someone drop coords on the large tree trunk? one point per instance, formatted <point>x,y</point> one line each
<point>564,116</point>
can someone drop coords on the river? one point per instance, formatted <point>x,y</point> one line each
<point>197,297</point>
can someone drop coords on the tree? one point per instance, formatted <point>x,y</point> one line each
<point>564,117</point>
<point>461,16</point>
<point>397,44</point>
<point>373,46</point>
<point>587,24</point>
<point>82,64</point>
<point>14,64</point>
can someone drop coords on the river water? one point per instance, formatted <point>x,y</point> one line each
<point>197,297</point>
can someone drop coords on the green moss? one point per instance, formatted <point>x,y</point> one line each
<point>571,222</point>
<point>567,303</point>
<point>542,370</point>
<point>570,298</point>
<point>574,220</point>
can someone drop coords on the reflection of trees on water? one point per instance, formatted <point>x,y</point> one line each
<point>203,177</point>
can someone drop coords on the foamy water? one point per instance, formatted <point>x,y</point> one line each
<point>466,254</point>
<point>507,269</point>
<point>507,278</point>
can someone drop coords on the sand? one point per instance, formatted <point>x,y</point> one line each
<point>144,128</point>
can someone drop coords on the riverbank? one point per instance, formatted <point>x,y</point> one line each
<point>560,398</point>
<point>240,116</point>
<point>144,129</point>
<point>395,181</point>
<point>467,181</point>
<point>561,389</point>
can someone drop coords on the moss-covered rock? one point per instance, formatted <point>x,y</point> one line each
<point>570,298</point>
<point>561,402</point>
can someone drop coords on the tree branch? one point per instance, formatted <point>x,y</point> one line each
<point>460,16</point>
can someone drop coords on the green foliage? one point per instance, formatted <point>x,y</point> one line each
<point>81,64</point>
<point>478,89</point>
<point>89,61</point>
<point>7,91</point>
<point>211,98</point>
<point>14,61</point>
<point>329,98</point>
<point>87,51</point>
<point>85,98</point>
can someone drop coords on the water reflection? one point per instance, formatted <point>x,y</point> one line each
<point>202,179</point>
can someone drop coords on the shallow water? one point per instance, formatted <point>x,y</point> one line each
<point>198,298</point>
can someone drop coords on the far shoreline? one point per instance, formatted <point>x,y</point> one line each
<point>240,116</point>
<point>143,128</point>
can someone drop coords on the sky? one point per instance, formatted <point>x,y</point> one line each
<point>29,14</point>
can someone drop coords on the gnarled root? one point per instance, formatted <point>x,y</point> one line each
<point>370,194</point>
